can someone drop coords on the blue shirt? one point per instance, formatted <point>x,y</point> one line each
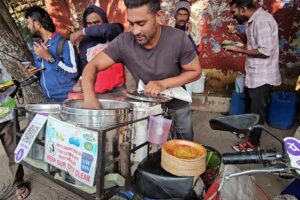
<point>57,79</point>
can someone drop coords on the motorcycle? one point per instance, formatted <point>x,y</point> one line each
<point>285,163</point>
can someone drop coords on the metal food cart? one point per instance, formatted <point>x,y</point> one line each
<point>121,156</point>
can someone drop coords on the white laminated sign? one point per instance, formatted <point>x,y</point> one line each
<point>29,136</point>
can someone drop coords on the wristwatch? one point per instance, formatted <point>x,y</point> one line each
<point>51,60</point>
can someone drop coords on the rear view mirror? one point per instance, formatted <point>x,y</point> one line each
<point>234,123</point>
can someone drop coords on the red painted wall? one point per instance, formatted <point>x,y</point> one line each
<point>212,17</point>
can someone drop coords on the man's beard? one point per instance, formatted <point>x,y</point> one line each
<point>180,27</point>
<point>241,19</point>
<point>35,34</point>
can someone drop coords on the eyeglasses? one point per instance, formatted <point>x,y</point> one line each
<point>94,22</point>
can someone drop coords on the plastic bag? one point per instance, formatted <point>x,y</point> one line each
<point>7,107</point>
<point>159,129</point>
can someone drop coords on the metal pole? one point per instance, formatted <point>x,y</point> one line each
<point>125,162</point>
<point>100,165</point>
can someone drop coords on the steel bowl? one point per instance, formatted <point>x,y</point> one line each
<point>113,112</point>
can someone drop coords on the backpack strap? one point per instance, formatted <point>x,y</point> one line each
<point>60,47</point>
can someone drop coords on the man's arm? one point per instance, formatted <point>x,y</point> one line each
<point>101,62</point>
<point>191,72</point>
<point>253,52</point>
<point>107,31</point>
<point>102,31</point>
<point>69,62</point>
<point>263,37</point>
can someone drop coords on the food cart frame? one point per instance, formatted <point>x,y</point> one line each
<point>101,193</point>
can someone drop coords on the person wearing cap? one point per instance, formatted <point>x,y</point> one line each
<point>92,39</point>
<point>182,14</point>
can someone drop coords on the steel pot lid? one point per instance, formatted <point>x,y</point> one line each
<point>112,112</point>
<point>109,107</point>
<point>43,108</point>
<point>149,98</point>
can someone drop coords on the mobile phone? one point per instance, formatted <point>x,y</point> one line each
<point>26,64</point>
<point>187,26</point>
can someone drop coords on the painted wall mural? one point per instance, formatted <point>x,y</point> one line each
<point>212,18</point>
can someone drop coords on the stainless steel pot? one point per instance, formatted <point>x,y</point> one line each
<point>33,109</point>
<point>37,151</point>
<point>112,113</point>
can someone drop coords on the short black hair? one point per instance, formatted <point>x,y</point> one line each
<point>154,5</point>
<point>39,14</point>
<point>243,3</point>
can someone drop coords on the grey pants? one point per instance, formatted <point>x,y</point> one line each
<point>183,127</point>
<point>7,139</point>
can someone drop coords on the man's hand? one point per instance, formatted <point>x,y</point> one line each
<point>154,87</point>
<point>41,50</point>
<point>32,70</point>
<point>76,37</point>
<point>234,49</point>
<point>188,28</point>
<point>91,103</point>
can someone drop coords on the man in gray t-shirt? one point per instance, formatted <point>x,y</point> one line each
<point>162,57</point>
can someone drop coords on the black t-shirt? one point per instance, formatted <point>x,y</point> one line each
<point>173,50</point>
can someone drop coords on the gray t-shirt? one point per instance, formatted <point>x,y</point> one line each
<point>173,49</point>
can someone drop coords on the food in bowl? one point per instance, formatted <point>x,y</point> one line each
<point>184,149</point>
<point>185,152</point>
<point>183,158</point>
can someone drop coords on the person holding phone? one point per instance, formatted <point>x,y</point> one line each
<point>182,21</point>
<point>57,75</point>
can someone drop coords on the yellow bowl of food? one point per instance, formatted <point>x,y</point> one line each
<point>183,158</point>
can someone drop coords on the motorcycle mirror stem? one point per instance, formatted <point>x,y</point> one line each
<point>285,156</point>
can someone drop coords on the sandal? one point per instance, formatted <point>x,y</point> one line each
<point>240,135</point>
<point>244,147</point>
<point>22,191</point>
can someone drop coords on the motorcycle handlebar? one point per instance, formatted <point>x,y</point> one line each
<point>255,157</point>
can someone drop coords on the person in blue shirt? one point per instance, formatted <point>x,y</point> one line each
<point>57,75</point>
